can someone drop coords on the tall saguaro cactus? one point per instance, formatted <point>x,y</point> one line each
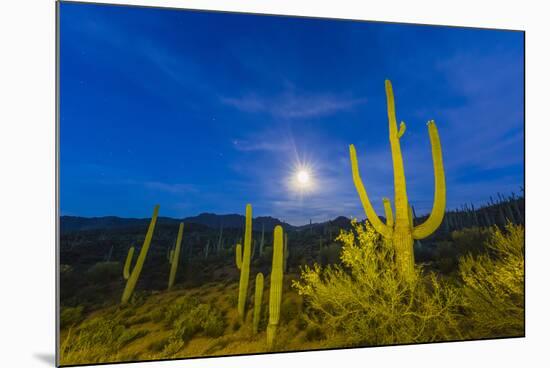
<point>258,294</point>
<point>175,258</point>
<point>245,262</point>
<point>276,285</point>
<point>134,276</point>
<point>401,232</point>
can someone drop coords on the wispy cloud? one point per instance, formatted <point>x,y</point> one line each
<point>175,188</point>
<point>292,105</point>
<point>249,146</point>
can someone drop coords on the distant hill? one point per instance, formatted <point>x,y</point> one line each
<point>76,223</point>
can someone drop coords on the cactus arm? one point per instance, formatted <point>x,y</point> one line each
<point>367,206</point>
<point>238,256</point>
<point>276,285</point>
<point>258,294</point>
<point>175,257</point>
<point>128,263</point>
<point>388,211</point>
<point>134,276</point>
<point>438,209</point>
<point>402,129</point>
<point>245,265</point>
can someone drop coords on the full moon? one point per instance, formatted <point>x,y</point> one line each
<point>302,177</point>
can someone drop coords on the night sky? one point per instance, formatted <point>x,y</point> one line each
<point>205,112</point>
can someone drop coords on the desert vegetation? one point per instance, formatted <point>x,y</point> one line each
<point>222,290</point>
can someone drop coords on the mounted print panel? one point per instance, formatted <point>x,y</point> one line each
<point>237,183</point>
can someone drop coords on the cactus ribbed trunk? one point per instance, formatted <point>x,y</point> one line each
<point>258,295</point>
<point>276,286</point>
<point>403,242</point>
<point>134,276</point>
<point>245,265</point>
<point>175,257</point>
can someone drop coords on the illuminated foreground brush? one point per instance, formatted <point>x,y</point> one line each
<point>276,286</point>
<point>175,257</point>
<point>134,276</point>
<point>401,232</point>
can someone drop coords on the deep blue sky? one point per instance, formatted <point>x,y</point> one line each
<point>205,112</point>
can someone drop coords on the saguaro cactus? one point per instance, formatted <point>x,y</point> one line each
<point>128,263</point>
<point>220,239</point>
<point>402,233</point>
<point>276,285</point>
<point>262,240</point>
<point>245,262</point>
<point>134,276</point>
<point>175,257</point>
<point>258,294</point>
<point>238,256</point>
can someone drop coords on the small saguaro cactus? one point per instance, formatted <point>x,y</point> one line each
<point>238,256</point>
<point>220,239</point>
<point>262,240</point>
<point>276,285</point>
<point>134,275</point>
<point>207,249</point>
<point>175,257</point>
<point>258,294</point>
<point>402,234</point>
<point>128,263</point>
<point>244,262</point>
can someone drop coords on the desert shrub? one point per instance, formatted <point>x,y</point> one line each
<point>494,285</point>
<point>157,315</point>
<point>446,257</point>
<point>365,302</point>
<point>104,272</point>
<point>187,317</point>
<point>330,254</point>
<point>70,316</point>
<point>129,335</point>
<point>97,340</point>
<point>289,310</point>
<point>138,298</point>
<point>139,319</point>
<point>267,256</point>
<point>214,326</point>
<point>314,333</point>
<point>232,299</point>
<point>179,307</point>
<point>201,318</point>
<point>470,240</point>
<point>158,345</point>
<point>172,347</point>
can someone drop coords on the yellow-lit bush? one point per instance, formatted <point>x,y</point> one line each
<point>97,340</point>
<point>494,285</point>
<point>71,316</point>
<point>365,302</point>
